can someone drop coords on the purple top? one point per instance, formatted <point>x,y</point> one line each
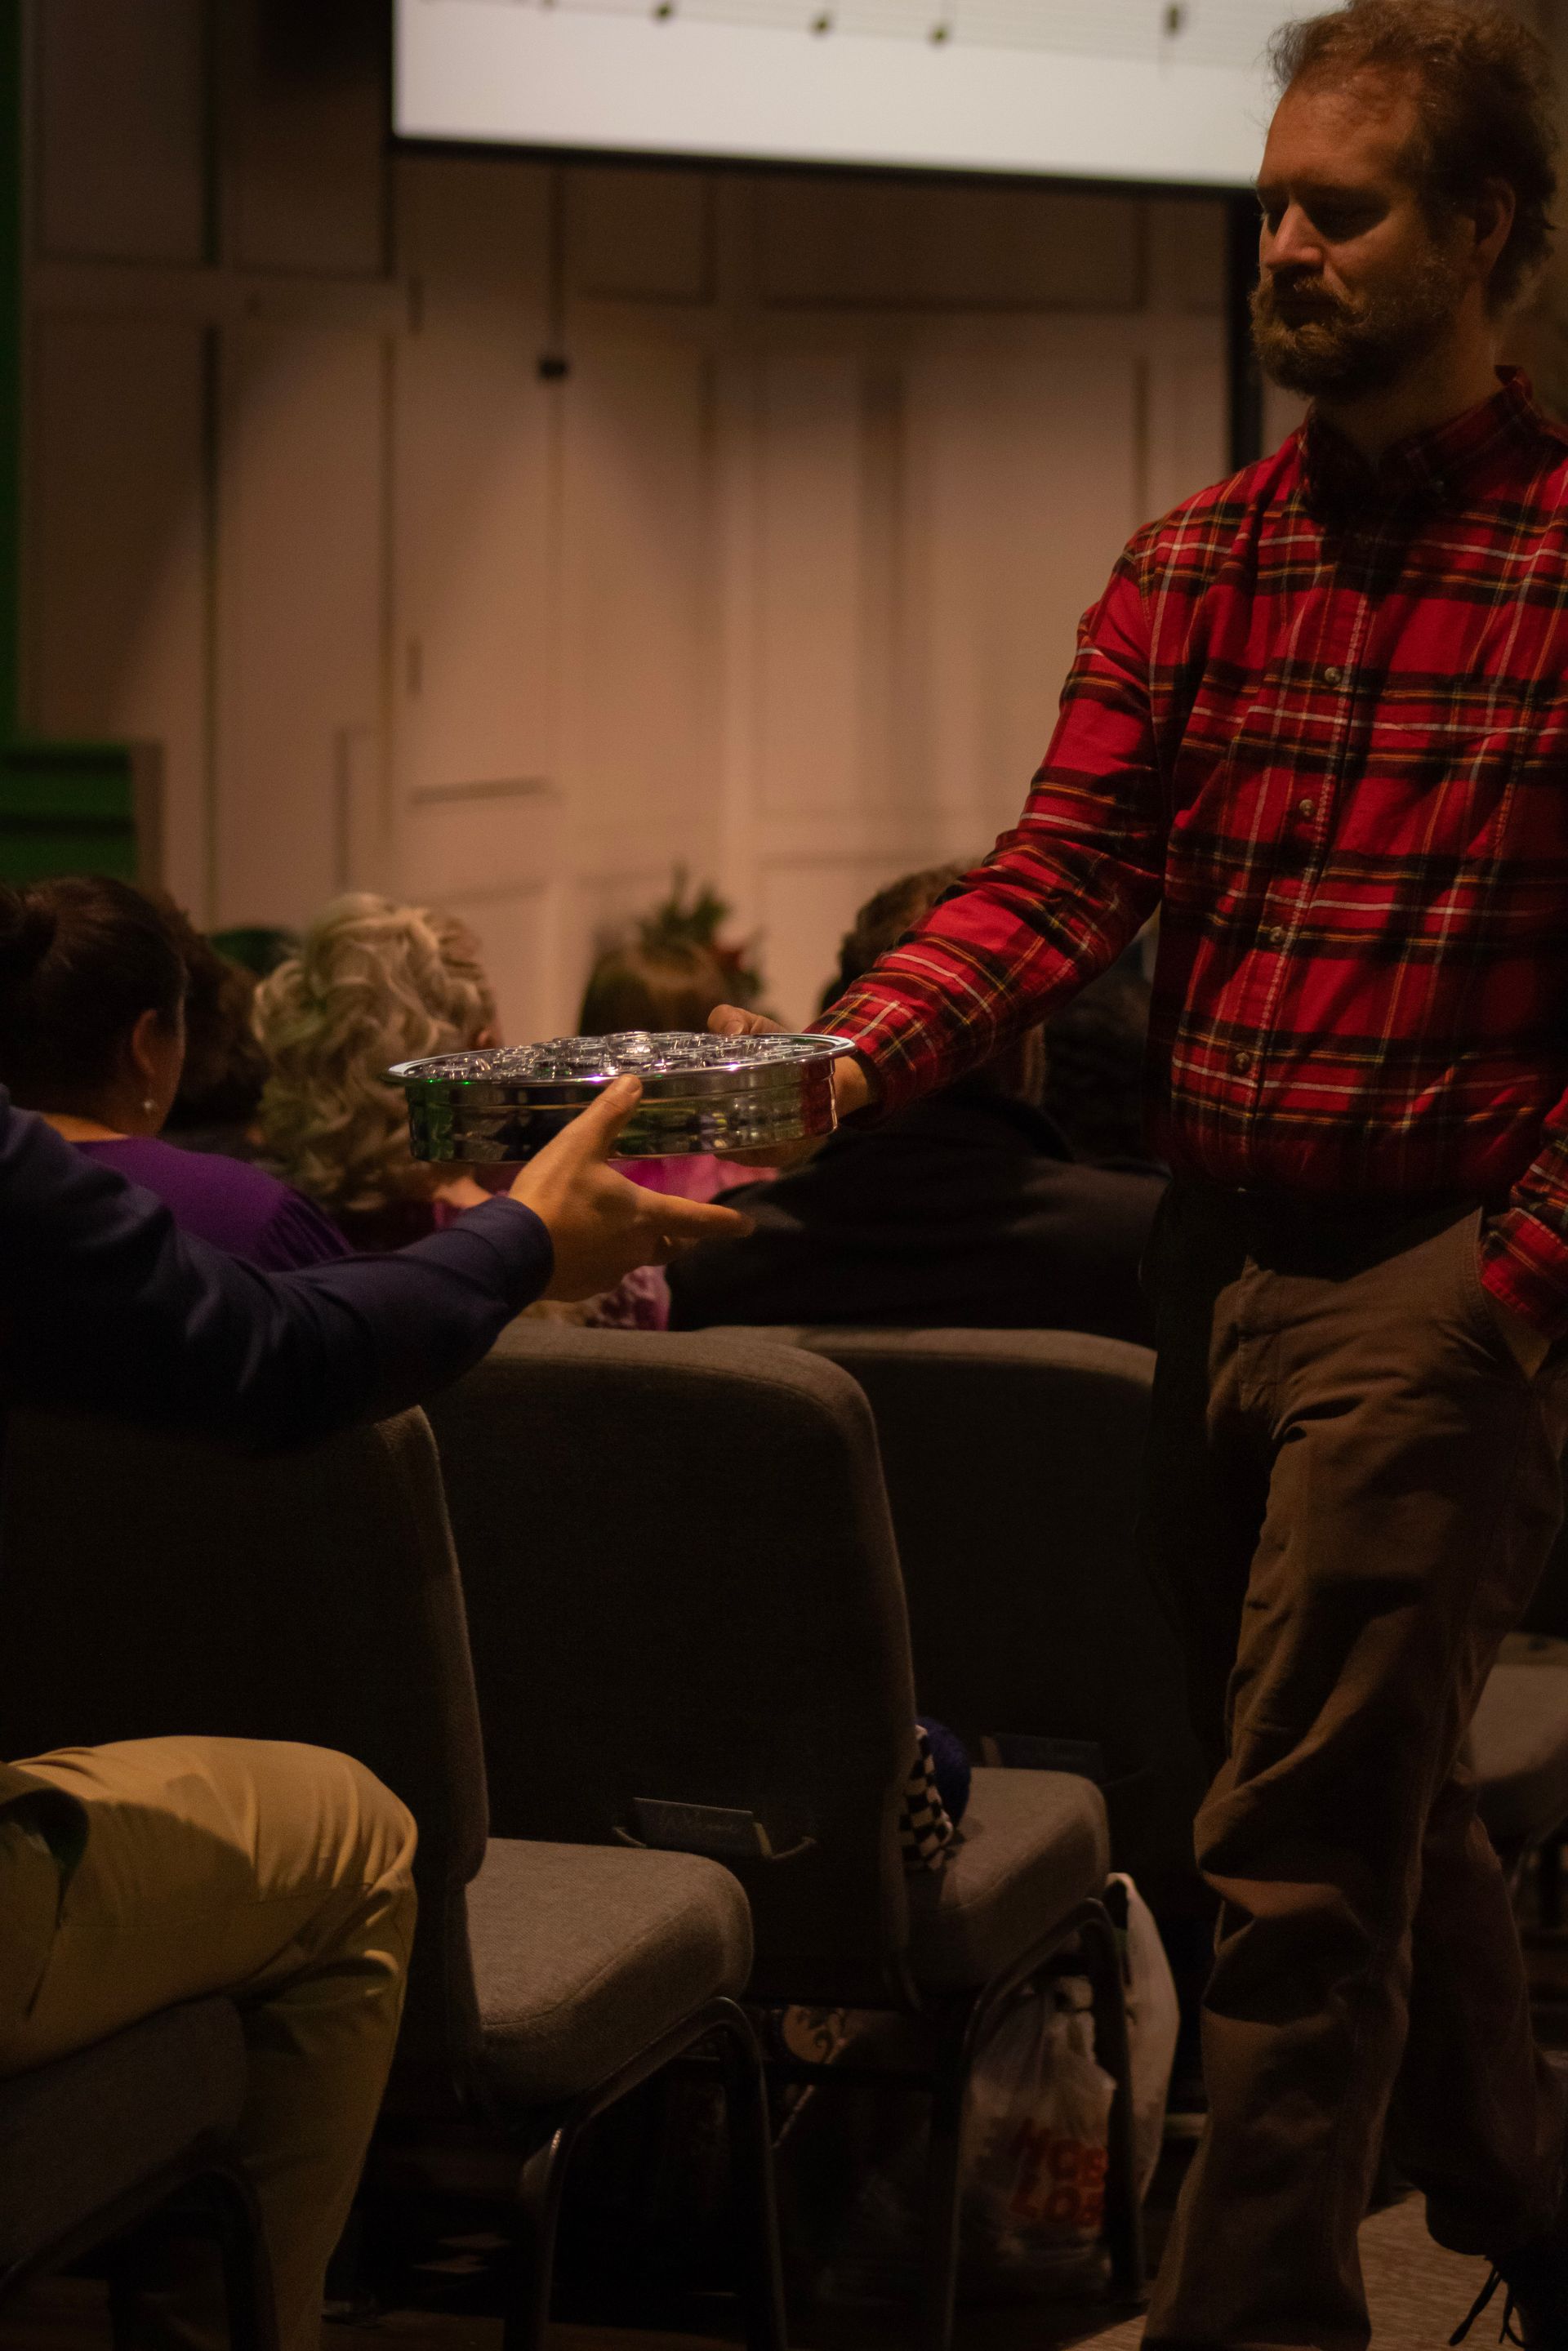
<point>228,1202</point>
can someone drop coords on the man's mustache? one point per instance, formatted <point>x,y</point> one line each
<point>1310,304</point>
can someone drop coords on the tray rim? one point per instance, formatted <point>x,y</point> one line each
<point>662,1086</point>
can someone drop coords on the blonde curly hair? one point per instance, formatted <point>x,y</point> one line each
<point>373,983</point>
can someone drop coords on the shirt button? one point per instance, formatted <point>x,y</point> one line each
<point>1332,674</point>
<point>1306,808</point>
<point>1244,1060</point>
<point>1277,934</point>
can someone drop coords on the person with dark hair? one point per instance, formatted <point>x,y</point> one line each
<point>674,984</point>
<point>1317,718</point>
<point>225,1069</point>
<point>657,983</point>
<point>94,977</point>
<point>140,1873</point>
<point>965,1210</point>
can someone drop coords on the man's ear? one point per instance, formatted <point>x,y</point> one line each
<point>1493,221</point>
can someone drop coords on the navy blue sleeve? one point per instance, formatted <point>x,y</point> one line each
<point>105,1306</point>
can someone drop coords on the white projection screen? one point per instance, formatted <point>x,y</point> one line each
<point>1164,90</point>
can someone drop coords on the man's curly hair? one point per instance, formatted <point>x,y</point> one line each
<point>1483,88</point>
<point>373,983</point>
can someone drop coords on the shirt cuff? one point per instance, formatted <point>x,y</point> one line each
<point>1524,1265</point>
<point>888,1039</point>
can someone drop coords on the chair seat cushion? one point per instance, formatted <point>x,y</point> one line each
<point>1519,1741</point>
<point>80,2133</point>
<point>1035,1845</point>
<point>585,1955</point>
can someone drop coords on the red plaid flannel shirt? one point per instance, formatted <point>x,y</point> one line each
<point>1319,719</point>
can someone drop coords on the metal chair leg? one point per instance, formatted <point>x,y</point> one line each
<point>943,2182</point>
<point>1123,2206</point>
<point>751,2178</point>
<point>541,2184</point>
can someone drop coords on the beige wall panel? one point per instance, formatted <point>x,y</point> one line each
<point>300,614</point>
<point>638,648</point>
<point>490,841</point>
<point>517,929</point>
<point>640,235</point>
<point>1187,444</point>
<point>808,903</point>
<point>475,628</point>
<point>811,565</point>
<point>121,129</point>
<point>114,593</point>
<point>611,902</point>
<point>306,151</point>
<point>1189,235</point>
<point>1024,482</point>
<point>494,861</point>
<point>885,242</point>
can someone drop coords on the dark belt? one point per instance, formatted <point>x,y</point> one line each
<point>1345,1219</point>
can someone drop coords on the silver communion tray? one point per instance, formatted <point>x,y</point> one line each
<point>699,1094</point>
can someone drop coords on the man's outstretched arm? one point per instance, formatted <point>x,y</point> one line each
<point>1054,903</point>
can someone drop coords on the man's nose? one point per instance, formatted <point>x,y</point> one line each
<point>1294,244</point>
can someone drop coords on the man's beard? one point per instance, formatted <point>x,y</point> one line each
<point>1358,343</point>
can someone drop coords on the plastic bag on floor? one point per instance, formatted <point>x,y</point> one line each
<point>1154,2020</point>
<point>1035,2145</point>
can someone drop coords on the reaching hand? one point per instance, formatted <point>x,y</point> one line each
<point>851,1090</point>
<point>729,1020</point>
<point>1527,1345</point>
<point>601,1225</point>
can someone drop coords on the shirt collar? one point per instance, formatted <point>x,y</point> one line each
<point>1438,468</point>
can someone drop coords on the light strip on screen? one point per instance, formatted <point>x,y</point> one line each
<point>1120,90</point>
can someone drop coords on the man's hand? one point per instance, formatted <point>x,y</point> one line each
<point>601,1225</point>
<point>851,1091</point>
<point>1523,1341</point>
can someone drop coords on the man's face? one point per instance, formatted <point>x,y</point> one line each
<point>1357,285</point>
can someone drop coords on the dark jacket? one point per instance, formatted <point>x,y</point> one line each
<point>964,1211</point>
<point>106,1306</point>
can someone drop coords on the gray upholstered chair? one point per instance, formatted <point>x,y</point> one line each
<point>153,1585</point>
<point>688,1625</point>
<point>1012,1461</point>
<point>95,2141</point>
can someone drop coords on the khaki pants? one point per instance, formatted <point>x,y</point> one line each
<point>277,1873</point>
<point>1352,1490</point>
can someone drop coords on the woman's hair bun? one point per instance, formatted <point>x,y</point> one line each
<point>26,933</point>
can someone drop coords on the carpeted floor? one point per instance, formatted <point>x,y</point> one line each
<point>1417,2294</point>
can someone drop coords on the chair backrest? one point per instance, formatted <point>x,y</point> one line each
<point>682,1587</point>
<point>1013,1462</point>
<point>150,1586</point>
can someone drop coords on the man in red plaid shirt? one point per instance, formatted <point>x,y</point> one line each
<point>1318,719</point>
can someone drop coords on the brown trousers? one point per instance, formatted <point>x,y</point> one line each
<point>1352,1490</point>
